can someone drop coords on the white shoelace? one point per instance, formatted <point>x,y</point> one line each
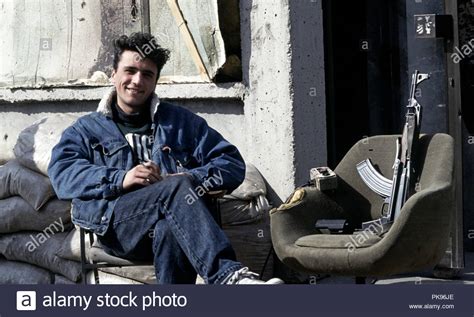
<point>241,274</point>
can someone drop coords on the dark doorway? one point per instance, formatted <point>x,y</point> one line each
<point>362,71</point>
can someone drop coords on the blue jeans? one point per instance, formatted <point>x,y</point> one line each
<point>183,239</point>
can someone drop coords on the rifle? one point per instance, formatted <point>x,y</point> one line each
<point>397,190</point>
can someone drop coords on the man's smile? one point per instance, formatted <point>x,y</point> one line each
<point>134,91</point>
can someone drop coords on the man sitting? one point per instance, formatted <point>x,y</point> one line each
<point>129,169</point>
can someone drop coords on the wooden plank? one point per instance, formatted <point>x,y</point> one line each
<point>146,27</point>
<point>79,34</point>
<point>164,28</point>
<point>59,42</point>
<point>188,39</point>
<point>203,24</point>
<point>6,40</point>
<point>23,66</point>
<point>115,20</point>
<point>72,28</point>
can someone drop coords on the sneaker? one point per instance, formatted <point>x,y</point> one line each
<point>244,276</point>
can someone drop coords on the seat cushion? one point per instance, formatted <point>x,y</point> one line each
<point>97,254</point>
<point>361,239</point>
<point>71,250</point>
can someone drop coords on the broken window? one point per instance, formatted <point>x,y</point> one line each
<point>62,43</point>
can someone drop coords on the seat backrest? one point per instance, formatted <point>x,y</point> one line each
<point>436,165</point>
<point>434,159</point>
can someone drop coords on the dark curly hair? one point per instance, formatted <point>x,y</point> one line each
<point>143,43</point>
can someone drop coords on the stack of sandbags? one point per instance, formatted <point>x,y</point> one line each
<point>35,227</point>
<point>245,219</point>
<point>33,222</point>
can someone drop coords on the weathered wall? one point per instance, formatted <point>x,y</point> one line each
<point>268,106</point>
<point>276,118</point>
<point>285,110</point>
<point>308,89</point>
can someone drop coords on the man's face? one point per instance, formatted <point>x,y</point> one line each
<point>134,80</point>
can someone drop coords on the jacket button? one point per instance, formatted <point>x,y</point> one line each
<point>104,218</point>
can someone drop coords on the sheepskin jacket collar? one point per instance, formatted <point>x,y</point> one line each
<point>106,103</point>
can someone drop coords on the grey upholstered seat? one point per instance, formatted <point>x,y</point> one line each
<point>417,240</point>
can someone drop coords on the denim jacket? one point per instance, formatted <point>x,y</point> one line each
<point>90,161</point>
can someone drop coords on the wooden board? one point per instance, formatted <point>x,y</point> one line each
<point>203,23</point>
<point>61,42</point>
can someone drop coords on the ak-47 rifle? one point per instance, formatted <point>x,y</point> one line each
<point>396,191</point>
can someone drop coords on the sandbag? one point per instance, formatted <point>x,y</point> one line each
<point>17,180</point>
<point>59,279</point>
<point>17,215</point>
<point>13,272</point>
<point>10,128</point>
<point>252,186</point>
<point>71,246</point>
<point>6,147</point>
<point>247,203</point>
<point>237,211</point>
<point>252,243</point>
<point>34,144</point>
<point>39,249</point>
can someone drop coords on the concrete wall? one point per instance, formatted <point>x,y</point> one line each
<point>285,120</point>
<point>276,116</point>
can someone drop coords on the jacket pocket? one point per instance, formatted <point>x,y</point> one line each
<point>111,153</point>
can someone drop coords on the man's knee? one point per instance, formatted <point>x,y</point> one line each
<point>180,182</point>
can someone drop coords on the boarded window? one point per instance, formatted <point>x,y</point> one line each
<point>58,42</point>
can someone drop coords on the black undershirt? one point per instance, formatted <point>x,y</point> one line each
<point>136,128</point>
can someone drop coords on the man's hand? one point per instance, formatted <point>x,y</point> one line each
<point>142,175</point>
